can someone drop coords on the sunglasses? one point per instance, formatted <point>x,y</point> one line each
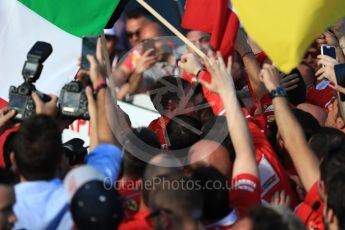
<point>150,218</point>
<point>312,54</point>
<point>131,34</point>
<point>203,40</point>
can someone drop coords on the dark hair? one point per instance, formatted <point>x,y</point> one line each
<point>168,89</point>
<point>133,166</point>
<point>264,218</point>
<point>219,124</point>
<point>218,207</point>
<point>332,162</point>
<point>181,132</point>
<point>138,13</point>
<point>186,32</point>
<point>38,148</point>
<point>326,139</point>
<point>298,95</point>
<point>307,122</point>
<point>335,196</point>
<point>7,177</point>
<point>8,148</point>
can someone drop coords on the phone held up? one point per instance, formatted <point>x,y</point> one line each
<point>88,47</point>
<point>329,51</point>
<point>340,77</point>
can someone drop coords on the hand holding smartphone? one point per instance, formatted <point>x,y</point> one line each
<point>329,51</point>
<point>149,44</point>
<point>88,48</point>
<point>340,77</point>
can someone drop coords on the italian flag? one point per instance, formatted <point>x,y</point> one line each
<point>61,23</point>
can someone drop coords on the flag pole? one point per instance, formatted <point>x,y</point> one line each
<point>105,54</point>
<point>171,28</point>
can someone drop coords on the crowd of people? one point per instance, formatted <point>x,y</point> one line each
<point>238,144</point>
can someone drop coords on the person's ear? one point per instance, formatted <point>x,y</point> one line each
<point>340,123</point>
<point>322,189</point>
<point>13,159</point>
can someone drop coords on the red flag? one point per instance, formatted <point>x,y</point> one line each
<point>215,17</point>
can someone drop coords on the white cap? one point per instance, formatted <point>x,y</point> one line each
<point>110,32</point>
<point>78,177</point>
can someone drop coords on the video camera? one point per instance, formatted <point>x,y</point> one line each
<point>20,98</point>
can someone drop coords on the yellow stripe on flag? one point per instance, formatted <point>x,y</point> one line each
<point>285,29</point>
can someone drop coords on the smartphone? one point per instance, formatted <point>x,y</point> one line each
<point>149,44</point>
<point>89,47</point>
<point>340,77</point>
<point>328,50</point>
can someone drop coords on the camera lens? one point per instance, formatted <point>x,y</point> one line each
<point>23,90</point>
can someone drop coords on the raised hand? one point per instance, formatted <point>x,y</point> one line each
<point>5,118</point>
<point>190,64</point>
<point>327,38</point>
<point>221,76</point>
<point>146,61</point>
<point>327,71</point>
<point>281,198</point>
<point>270,77</point>
<point>47,108</point>
<point>241,43</point>
<point>289,82</point>
<point>96,73</point>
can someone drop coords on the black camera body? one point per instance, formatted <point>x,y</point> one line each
<point>75,151</point>
<point>73,101</point>
<point>22,102</point>
<point>20,98</point>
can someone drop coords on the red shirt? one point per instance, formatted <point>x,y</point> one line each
<point>131,191</point>
<point>322,95</point>
<point>137,222</point>
<point>273,177</point>
<point>131,60</point>
<point>313,219</point>
<point>244,193</point>
<point>158,126</point>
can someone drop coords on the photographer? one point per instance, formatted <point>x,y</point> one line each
<point>41,200</point>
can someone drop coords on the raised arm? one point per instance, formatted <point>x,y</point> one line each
<point>304,159</point>
<point>251,65</point>
<point>105,136</point>
<point>145,62</point>
<point>223,84</point>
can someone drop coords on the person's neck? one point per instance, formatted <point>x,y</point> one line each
<point>23,179</point>
<point>142,206</point>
